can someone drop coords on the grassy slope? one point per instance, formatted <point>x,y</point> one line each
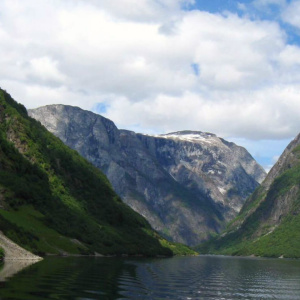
<point>53,197</point>
<point>254,234</point>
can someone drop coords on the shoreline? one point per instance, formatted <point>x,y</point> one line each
<point>13,251</point>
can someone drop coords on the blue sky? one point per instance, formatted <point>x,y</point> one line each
<point>255,9</point>
<point>217,6</point>
<point>266,152</point>
<point>156,66</point>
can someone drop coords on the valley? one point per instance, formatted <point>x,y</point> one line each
<point>188,185</point>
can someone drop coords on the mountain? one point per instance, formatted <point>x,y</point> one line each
<point>53,201</point>
<point>186,184</point>
<point>269,223</point>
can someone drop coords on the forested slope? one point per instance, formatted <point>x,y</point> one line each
<point>54,201</point>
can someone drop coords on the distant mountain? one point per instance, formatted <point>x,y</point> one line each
<point>53,201</point>
<point>269,223</point>
<point>186,184</point>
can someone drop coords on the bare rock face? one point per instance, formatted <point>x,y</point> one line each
<point>14,251</point>
<point>278,193</point>
<point>286,161</point>
<point>269,222</point>
<point>186,184</point>
<point>203,161</point>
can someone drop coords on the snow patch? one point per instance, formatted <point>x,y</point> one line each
<point>188,137</point>
<point>222,190</point>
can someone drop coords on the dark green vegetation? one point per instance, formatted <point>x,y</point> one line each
<point>54,201</point>
<point>269,223</point>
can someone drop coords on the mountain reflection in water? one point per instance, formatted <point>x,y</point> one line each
<point>202,277</point>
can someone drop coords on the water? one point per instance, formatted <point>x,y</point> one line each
<point>202,277</point>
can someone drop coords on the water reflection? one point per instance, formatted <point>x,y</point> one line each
<point>12,267</point>
<point>218,278</point>
<point>203,277</point>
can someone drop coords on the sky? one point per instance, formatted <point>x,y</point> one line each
<point>155,66</point>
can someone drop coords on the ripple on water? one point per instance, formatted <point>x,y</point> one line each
<point>202,277</point>
<point>218,278</point>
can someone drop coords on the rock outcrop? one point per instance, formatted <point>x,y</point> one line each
<point>15,252</point>
<point>269,222</point>
<point>186,184</point>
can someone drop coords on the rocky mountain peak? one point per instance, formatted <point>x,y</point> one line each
<point>192,136</point>
<point>189,135</point>
<point>187,184</point>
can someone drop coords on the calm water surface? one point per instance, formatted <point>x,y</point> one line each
<point>202,277</point>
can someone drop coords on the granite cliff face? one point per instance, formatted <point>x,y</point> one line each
<point>202,161</point>
<point>269,222</point>
<point>187,184</point>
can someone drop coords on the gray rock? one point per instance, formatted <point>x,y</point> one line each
<point>186,184</point>
<point>282,200</point>
<point>268,224</point>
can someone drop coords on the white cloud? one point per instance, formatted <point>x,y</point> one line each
<point>45,69</point>
<point>141,10</point>
<point>33,96</point>
<point>136,56</point>
<point>291,13</point>
<point>290,56</point>
<point>263,114</point>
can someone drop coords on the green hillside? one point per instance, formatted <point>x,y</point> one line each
<point>269,223</point>
<point>54,201</point>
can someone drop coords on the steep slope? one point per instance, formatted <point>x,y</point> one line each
<point>269,223</point>
<point>53,201</point>
<point>186,184</point>
<point>208,163</point>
